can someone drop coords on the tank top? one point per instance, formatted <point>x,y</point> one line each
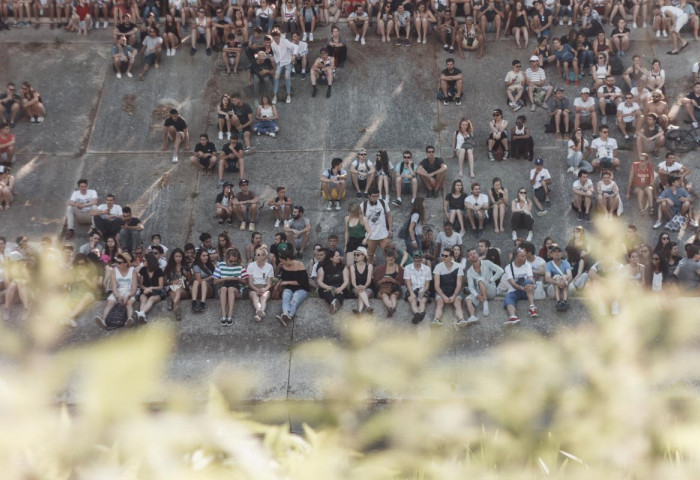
<point>496,196</point>
<point>333,278</point>
<point>361,278</point>
<point>124,283</point>
<point>201,23</point>
<point>601,71</point>
<point>266,111</point>
<point>289,15</point>
<point>519,131</point>
<point>171,28</point>
<point>642,177</point>
<point>357,230</point>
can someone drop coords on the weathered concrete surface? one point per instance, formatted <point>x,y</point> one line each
<point>384,98</point>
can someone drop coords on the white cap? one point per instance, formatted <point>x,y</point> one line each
<point>585,90</point>
<point>534,58</point>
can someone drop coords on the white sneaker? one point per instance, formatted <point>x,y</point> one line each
<point>337,205</point>
<point>39,119</point>
<point>175,159</point>
<point>486,309</point>
<point>311,37</point>
<point>362,41</point>
<point>561,22</point>
<point>272,134</point>
<point>569,22</point>
<point>644,25</point>
<point>119,75</point>
<point>329,206</point>
<point>173,52</point>
<point>425,40</point>
<point>357,37</point>
<point>658,33</point>
<point>529,237</point>
<point>695,124</point>
<point>514,236</point>
<point>303,37</point>
<point>657,224</point>
<point>221,135</point>
<point>228,135</point>
<point>665,33</point>
<point>289,99</point>
<point>274,99</point>
<point>472,320</point>
<point>277,223</point>
<point>106,24</point>
<point>570,170</point>
<point>511,104</point>
<point>128,74</point>
<point>693,223</point>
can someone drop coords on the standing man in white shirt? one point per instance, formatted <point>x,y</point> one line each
<point>283,50</point>
<point>80,207</point>
<point>378,215</point>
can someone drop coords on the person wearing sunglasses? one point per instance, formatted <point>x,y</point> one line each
<point>448,279</point>
<point>124,283</point>
<point>362,173</point>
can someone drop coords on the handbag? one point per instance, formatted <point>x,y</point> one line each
<point>277,288</point>
<point>116,318</point>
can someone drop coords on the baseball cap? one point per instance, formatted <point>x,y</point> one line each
<point>227,184</point>
<point>534,58</point>
<point>361,150</point>
<point>585,90</point>
<point>417,254</point>
<point>361,250</point>
<point>243,181</point>
<point>539,161</point>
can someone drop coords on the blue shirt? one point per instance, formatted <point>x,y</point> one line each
<point>564,266</point>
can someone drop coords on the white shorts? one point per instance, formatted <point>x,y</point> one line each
<point>680,22</point>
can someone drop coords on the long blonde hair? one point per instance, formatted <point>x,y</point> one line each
<point>470,127</point>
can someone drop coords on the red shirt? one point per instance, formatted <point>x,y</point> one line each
<point>5,139</point>
<point>82,11</point>
<point>642,177</point>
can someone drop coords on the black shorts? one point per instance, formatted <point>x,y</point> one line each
<point>353,243</point>
<point>406,188</point>
<point>205,161</point>
<point>540,194</point>
<point>605,162</point>
<point>232,165</point>
<point>610,108</point>
<point>246,129</point>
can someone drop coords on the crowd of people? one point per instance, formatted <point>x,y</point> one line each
<point>378,258</point>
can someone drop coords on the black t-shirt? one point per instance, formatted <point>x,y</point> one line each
<point>227,148</point>
<point>125,27</point>
<point>242,112</point>
<point>255,67</point>
<point>179,123</point>
<point>209,148</point>
<point>544,17</point>
<point>436,165</point>
<point>692,96</point>
<point>618,32</point>
<point>7,101</point>
<point>133,222</point>
<point>455,203</point>
<point>151,281</point>
<point>455,71</point>
<point>219,197</point>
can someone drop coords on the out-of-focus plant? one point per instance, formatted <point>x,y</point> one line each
<point>612,397</point>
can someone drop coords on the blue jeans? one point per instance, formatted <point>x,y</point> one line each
<point>265,23</point>
<point>576,160</point>
<point>147,10</point>
<point>265,126</point>
<point>291,300</point>
<point>513,297</point>
<point>287,78</point>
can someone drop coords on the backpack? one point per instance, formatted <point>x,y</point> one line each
<point>381,202</point>
<point>616,65</point>
<point>404,233</point>
<point>116,318</point>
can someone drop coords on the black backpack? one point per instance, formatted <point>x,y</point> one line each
<point>617,67</point>
<point>404,233</point>
<point>116,318</point>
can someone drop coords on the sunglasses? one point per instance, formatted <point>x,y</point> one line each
<point>407,156</point>
<point>444,255</point>
<point>259,254</point>
<point>522,191</point>
<point>120,262</point>
<point>431,151</point>
<point>362,154</point>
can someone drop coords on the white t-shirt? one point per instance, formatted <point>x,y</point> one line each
<point>628,112</point>
<point>524,271</point>
<point>376,216</point>
<point>675,167</point>
<point>571,144</point>
<point>604,149</point>
<point>536,264</point>
<point>449,242</point>
<point>578,102</point>
<point>260,274</point>
<point>642,96</point>
<point>151,43</point>
<point>587,187</point>
<point>481,200</point>
<point>510,76</point>
<point>116,210</point>
<point>535,76</point>
<point>362,168</point>
<point>696,67</point>
<point>89,196</point>
<point>541,176</point>
<point>417,277</point>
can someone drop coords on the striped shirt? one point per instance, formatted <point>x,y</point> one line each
<point>223,270</point>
